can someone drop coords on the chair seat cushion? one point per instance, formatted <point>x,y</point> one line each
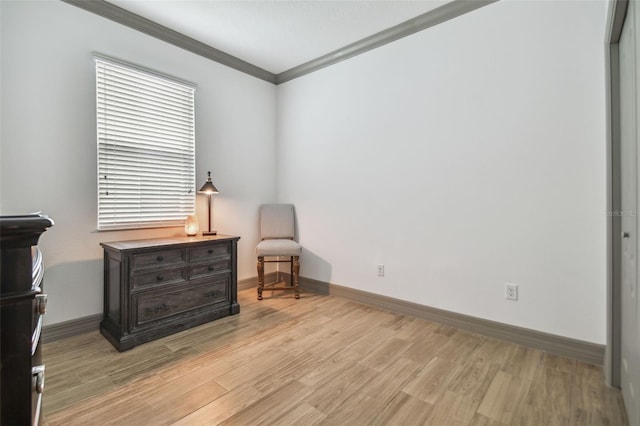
<point>278,248</point>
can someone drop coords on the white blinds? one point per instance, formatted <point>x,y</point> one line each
<point>146,148</point>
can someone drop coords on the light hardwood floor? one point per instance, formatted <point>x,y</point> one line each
<point>320,360</point>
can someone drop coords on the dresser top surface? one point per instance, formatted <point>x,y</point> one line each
<point>165,242</point>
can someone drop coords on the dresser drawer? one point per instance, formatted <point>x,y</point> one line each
<point>149,308</point>
<point>197,254</point>
<point>159,286</point>
<point>157,259</point>
<point>208,269</point>
<point>161,276</point>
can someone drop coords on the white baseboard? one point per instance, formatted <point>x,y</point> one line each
<point>584,351</point>
<point>559,345</point>
<point>61,330</point>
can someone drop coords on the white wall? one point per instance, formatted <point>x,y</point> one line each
<point>48,145</point>
<point>463,157</point>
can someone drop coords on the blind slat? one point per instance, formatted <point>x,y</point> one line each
<point>146,148</point>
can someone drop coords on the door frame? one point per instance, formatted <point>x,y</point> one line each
<point>615,20</point>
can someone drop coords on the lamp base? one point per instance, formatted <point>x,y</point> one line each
<point>209,232</point>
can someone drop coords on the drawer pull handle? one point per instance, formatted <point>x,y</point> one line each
<point>213,293</point>
<point>35,337</point>
<point>41,303</point>
<point>211,268</point>
<point>210,251</point>
<point>154,310</point>
<point>38,376</point>
<point>160,258</point>
<point>160,278</point>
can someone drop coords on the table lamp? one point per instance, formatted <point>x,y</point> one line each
<point>209,189</point>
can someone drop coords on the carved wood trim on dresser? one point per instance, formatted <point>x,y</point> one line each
<point>153,288</point>
<point>22,305</point>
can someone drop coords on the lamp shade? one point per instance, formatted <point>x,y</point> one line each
<point>209,187</point>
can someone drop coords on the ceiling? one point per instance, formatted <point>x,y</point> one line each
<point>278,35</point>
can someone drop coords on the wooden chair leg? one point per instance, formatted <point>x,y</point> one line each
<point>296,275</point>
<point>260,276</point>
<point>291,272</point>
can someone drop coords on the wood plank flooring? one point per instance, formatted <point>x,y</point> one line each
<point>320,360</point>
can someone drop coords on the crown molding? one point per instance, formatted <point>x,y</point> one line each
<point>615,20</point>
<point>144,25</point>
<point>419,23</point>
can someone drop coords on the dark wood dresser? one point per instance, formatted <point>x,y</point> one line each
<point>22,305</point>
<point>153,288</point>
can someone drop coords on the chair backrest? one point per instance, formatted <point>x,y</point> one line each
<point>276,221</point>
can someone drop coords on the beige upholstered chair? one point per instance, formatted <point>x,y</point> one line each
<point>277,230</point>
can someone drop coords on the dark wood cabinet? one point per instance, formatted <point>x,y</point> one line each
<point>153,288</point>
<point>22,305</point>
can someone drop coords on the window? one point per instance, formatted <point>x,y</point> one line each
<point>146,147</point>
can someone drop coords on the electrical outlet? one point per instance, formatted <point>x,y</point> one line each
<point>511,292</point>
<point>380,270</point>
